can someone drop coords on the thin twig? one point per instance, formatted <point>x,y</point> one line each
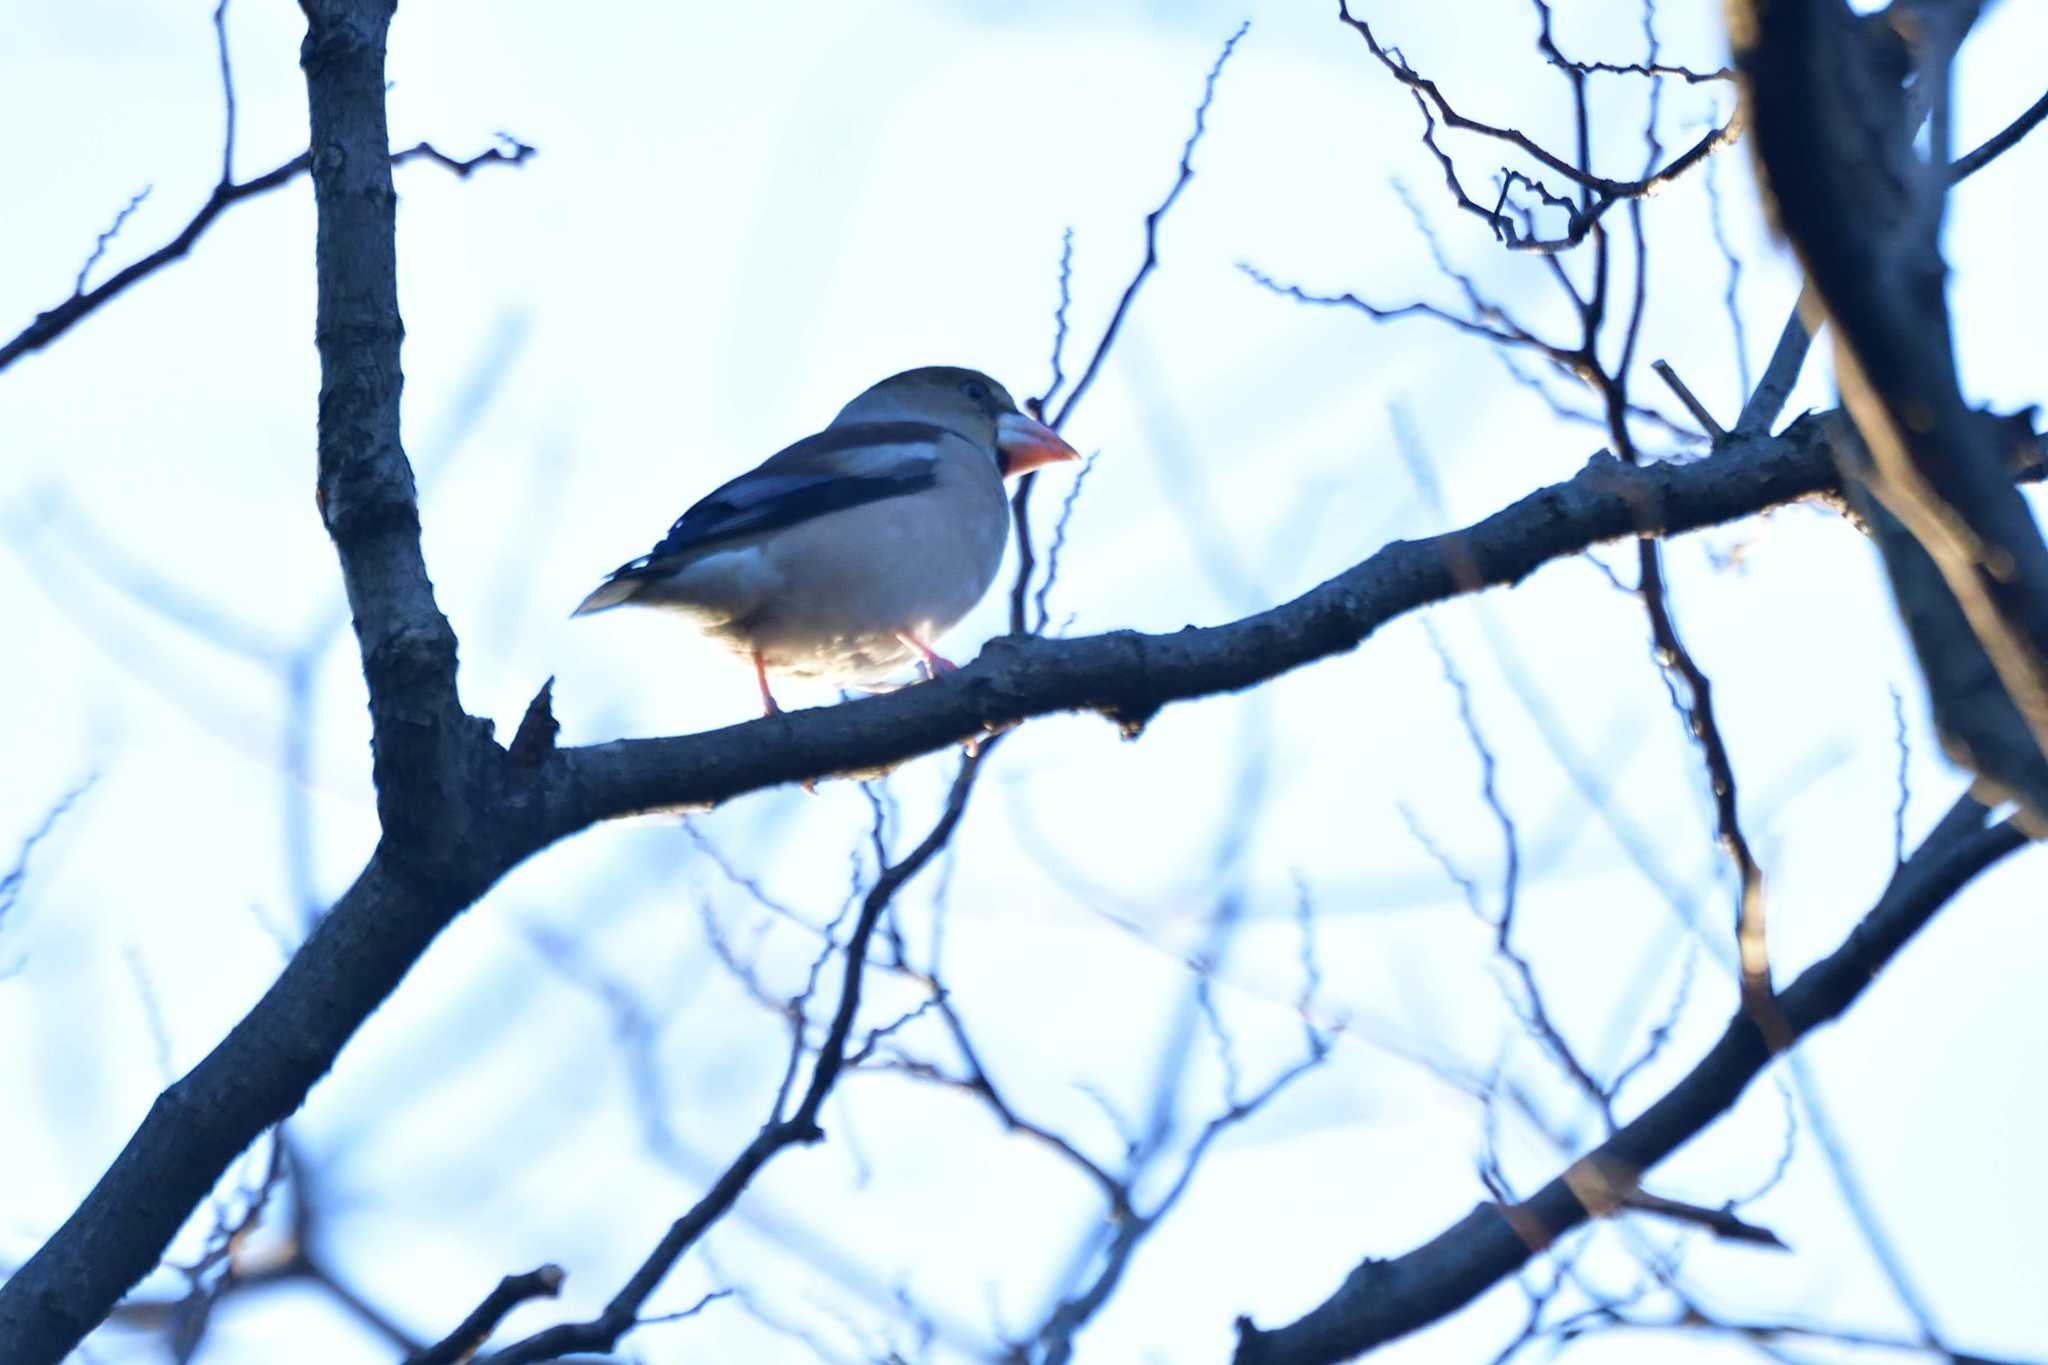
<point>1535,1015</point>
<point>545,1282</point>
<point>1020,501</point>
<point>1731,296</point>
<point>1715,431</point>
<point>1857,1201</point>
<point>1905,791</point>
<point>1999,143</point>
<point>1384,1299</point>
<point>105,239</point>
<point>1059,542</point>
<point>800,1127</point>
<point>227,94</point>
<point>1723,1223</point>
<point>1767,400</point>
<point>1684,73</point>
<point>54,322</point>
<point>1059,324</point>
<point>16,876</point>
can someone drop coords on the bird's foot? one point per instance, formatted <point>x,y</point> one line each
<point>768,703</point>
<point>934,662</point>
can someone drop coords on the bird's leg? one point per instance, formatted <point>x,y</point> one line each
<point>934,663</point>
<point>768,706</point>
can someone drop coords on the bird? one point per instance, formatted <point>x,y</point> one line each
<point>845,556</point>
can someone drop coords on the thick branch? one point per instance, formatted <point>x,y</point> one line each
<point>358,953</point>
<point>418,731</point>
<point>1382,1300</point>
<point>1835,142</point>
<point>1128,676</point>
<point>353,959</point>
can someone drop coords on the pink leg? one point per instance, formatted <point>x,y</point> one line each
<point>934,663</point>
<point>768,706</point>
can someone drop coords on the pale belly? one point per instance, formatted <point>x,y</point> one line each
<point>831,599</point>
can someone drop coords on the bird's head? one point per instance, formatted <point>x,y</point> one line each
<point>967,402</point>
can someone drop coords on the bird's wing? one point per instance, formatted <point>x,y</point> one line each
<point>838,468</point>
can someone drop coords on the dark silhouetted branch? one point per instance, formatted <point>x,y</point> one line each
<point>782,1131</point>
<point>1836,148</point>
<point>1598,193</point>
<point>372,936</point>
<point>55,322</point>
<point>1382,1300</point>
<point>1723,1223</point>
<point>460,1344</point>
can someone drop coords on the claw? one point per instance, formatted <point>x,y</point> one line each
<point>934,662</point>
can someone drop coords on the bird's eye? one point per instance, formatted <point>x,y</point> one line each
<point>976,390</point>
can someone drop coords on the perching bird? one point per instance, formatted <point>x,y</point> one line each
<point>844,556</point>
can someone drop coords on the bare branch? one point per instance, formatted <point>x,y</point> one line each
<point>1731,297</point>
<point>1781,372</point>
<point>1999,143</point>
<point>227,94</point>
<point>1020,501</point>
<point>1597,194</point>
<point>1530,1006</point>
<point>1905,791</point>
<point>1660,1033</point>
<point>1723,1223</point>
<point>1382,1300</point>
<point>1498,330</point>
<point>800,1127</point>
<point>106,239</point>
<point>460,1344</point>
<point>1684,73</point>
<point>1836,146</point>
<point>1152,221</point>
<point>1058,380</point>
<point>54,322</point>
<point>1055,1338</point>
<point>1039,606</point>
<point>357,954</point>
<point>1698,709</point>
<point>16,876</point>
<point>1715,431</point>
<point>1855,1198</point>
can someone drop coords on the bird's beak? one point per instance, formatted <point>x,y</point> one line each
<point>1026,443</point>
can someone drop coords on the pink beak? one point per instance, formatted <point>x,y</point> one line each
<point>1026,443</point>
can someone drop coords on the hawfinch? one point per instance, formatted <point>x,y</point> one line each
<point>844,556</point>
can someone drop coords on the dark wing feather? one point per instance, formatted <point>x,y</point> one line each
<point>806,480</point>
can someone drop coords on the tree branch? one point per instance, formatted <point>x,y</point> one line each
<point>1835,142</point>
<point>359,952</point>
<point>781,1131</point>
<point>460,1344</point>
<point>1382,1300</point>
<point>83,303</point>
<point>424,749</point>
<point>1020,501</point>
